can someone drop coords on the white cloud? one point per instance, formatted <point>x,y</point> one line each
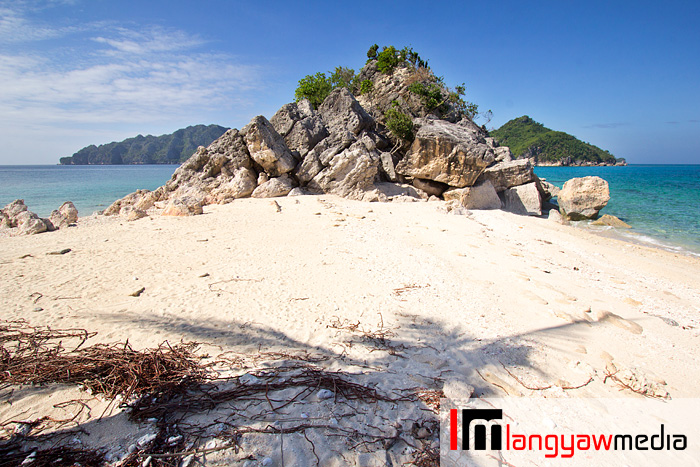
<point>145,77</point>
<point>157,40</point>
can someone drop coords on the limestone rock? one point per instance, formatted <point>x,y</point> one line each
<point>429,186</point>
<point>69,211</point>
<point>388,166</point>
<point>129,200</point>
<point>146,201</point>
<point>284,119</point>
<point>267,147</point>
<point>448,153</point>
<point>508,174</point>
<point>274,187</point>
<point>14,208</point>
<point>523,200</point>
<point>582,198</point>
<point>481,196</point>
<point>300,126</point>
<point>241,185</point>
<point>4,221</point>
<point>306,134</point>
<point>350,172</point>
<point>503,154</point>
<point>183,206</point>
<point>32,226</point>
<point>341,112</point>
<point>132,213</point>
<point>64,216</point>
<point>612,221</point>
<point>22,217</point>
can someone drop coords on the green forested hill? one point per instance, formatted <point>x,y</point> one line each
<point>166,149</point>
<point>528,138</point>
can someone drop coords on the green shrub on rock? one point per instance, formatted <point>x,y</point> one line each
<point>317,87</point>
<point>398,123</point>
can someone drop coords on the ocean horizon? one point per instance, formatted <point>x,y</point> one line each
<point>660,201</point>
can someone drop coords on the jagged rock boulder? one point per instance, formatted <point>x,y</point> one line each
<point>446,152</point>
<point>388,166</point>
<point>274,187</point>
<point>505,175</point>
<point>132,213</point>
<point>64,216</point>
<point>350,172</point>
<point>240,185</point>
<point>129,200</point>
<point>267,147</point>
<point>503,154</point>
<point>524,200</point>
<point>583,198</point>
<point>481,196</point>
<point>4,221</point>
<point>300,125</point>
<point>13,209</point>
<point>32,226</point>
<point>342,113</point>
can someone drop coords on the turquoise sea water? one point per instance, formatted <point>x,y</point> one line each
<point>90,187</point>
<point>660,202</point>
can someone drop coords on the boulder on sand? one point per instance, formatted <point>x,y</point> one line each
<point>583,198</point>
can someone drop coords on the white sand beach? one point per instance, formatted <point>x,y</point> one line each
<point>490,302</point>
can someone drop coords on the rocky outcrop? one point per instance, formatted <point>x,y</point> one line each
<point>447,153</point>
<point>583,198</point>
<point>16,216</point>
<point>344,148</point>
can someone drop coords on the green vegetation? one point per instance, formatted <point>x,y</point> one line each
<point>398,123</point>
<point>316,87</point>
<point>526,137</point>
<point>366,86</point>
<point>166,149</point>
<point>434,95</point>
<point>390,57</point>
<point>372,52</point>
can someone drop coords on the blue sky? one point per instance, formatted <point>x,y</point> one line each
<point>622,75</point>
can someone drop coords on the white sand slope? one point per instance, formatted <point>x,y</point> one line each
<point>491,301</point>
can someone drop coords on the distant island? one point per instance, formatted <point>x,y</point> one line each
<point>173,148</point>
<point>527,138</point>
